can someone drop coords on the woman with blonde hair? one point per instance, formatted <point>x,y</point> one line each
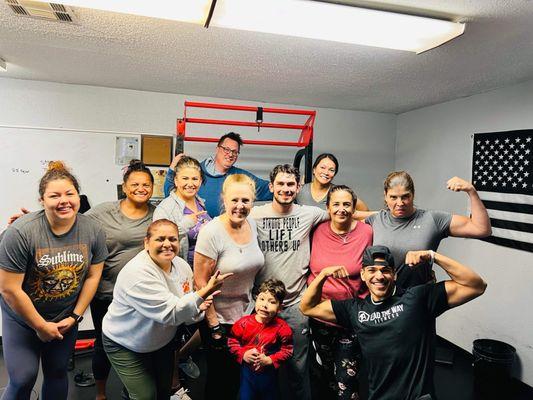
<point>228,244</point>
<point>50,265</point>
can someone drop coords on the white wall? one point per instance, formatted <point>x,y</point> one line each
<point>363,141</point>
<point>433,144</point>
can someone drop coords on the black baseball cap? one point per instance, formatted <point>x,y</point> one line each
<point>373,252</point>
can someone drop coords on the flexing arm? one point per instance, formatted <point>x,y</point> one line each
<point>311,305</point>
<point>465,284</point>
<point>86,295</point>
<point>12,292</point>
<point>478,225</point>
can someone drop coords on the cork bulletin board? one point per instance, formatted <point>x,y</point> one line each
<point>156,150</point>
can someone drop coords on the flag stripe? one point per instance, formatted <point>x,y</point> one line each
<point>513,235</point>
<point>519,208</point>
<point>517,226</point>
<point>506,197</point>
<point>510,243</point>
<point>510,216</point>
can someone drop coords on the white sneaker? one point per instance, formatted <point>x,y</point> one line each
<point>190,368</point>
<point>181,394</point>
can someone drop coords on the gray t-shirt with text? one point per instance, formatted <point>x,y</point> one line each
<point>54,266</point>
<point>284,240</point>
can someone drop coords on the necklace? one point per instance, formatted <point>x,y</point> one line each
<point>342,236</point>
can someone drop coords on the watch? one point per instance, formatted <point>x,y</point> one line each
<point>77,318</point>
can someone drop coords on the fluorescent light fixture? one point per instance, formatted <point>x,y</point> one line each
<point>300,18</point>
<point>3,66</point>
<point>334,22</point>
<point>194,11</point>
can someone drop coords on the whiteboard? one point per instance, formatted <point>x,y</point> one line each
<point>24,157</point>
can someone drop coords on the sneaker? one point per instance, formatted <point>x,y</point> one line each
<point>181,395</point>
<point>190,368</point>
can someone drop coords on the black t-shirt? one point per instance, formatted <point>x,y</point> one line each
<point>397,339</point>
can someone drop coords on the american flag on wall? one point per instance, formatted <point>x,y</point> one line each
<point>502,173</point>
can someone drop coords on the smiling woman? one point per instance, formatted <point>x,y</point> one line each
<point>152,297</point>
<point>50,265</point>
<point>228,244</point>
<point>124,223</point>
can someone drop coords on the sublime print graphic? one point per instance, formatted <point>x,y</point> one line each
<point>280,234</point>
<point>58,273</point>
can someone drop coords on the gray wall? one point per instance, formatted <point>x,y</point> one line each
<point>434,144</point>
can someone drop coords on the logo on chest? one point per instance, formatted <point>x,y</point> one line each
<point>378,317</point>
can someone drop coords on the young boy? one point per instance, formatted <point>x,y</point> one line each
<point>261,342</point>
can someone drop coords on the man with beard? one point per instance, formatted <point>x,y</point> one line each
<point>395,327</point>
<point>283,230</point>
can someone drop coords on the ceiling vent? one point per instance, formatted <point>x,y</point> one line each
<point>37,9</point>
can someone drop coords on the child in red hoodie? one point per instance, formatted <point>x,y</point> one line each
<point>261,342</point>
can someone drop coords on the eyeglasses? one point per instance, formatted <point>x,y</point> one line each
<point>229,151</point>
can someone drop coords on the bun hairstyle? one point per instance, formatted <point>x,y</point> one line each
<point>238,178</point>
<point>57,170</point>
<point>399,178</point>
<point>137,166</point>
<point>189,162</point>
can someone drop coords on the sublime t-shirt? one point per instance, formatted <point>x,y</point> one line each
<point>421,231</point>
<point>284,240</point>
<point>397,339</point>
<point>55,266</point>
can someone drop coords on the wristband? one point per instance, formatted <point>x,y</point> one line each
<point>432,255</point>
<point>77,318</point>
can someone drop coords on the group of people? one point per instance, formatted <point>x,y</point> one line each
<point>311,272</point>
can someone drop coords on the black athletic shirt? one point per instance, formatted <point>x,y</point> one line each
<point>397,339</point>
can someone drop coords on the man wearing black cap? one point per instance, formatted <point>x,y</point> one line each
<point>396,328</point>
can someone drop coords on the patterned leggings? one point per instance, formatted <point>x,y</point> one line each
<point>340,354</point>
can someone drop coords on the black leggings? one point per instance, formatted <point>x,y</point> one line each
<point>101,364</point>
<point>22,352</point>
<point>222,380</point>
<point>340,355</point>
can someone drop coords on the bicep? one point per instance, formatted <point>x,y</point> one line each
<point>323,311</point>
<point>462,226</point>
<point>203,269</point>
<point>458,294</point>
<point>10,280</point>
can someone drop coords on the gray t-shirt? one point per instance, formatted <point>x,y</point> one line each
<point>305,198</point>
<point>55,266</point>
<point>124,240</point>
<point>284,239</point>
<point>244,260</point>
<point>421,231</point>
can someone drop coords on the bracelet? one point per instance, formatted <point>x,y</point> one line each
<point>432,255</point>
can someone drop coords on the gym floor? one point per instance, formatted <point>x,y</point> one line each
<point>452,381</point>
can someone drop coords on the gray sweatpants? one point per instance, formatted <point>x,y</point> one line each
<point>298,366</point>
